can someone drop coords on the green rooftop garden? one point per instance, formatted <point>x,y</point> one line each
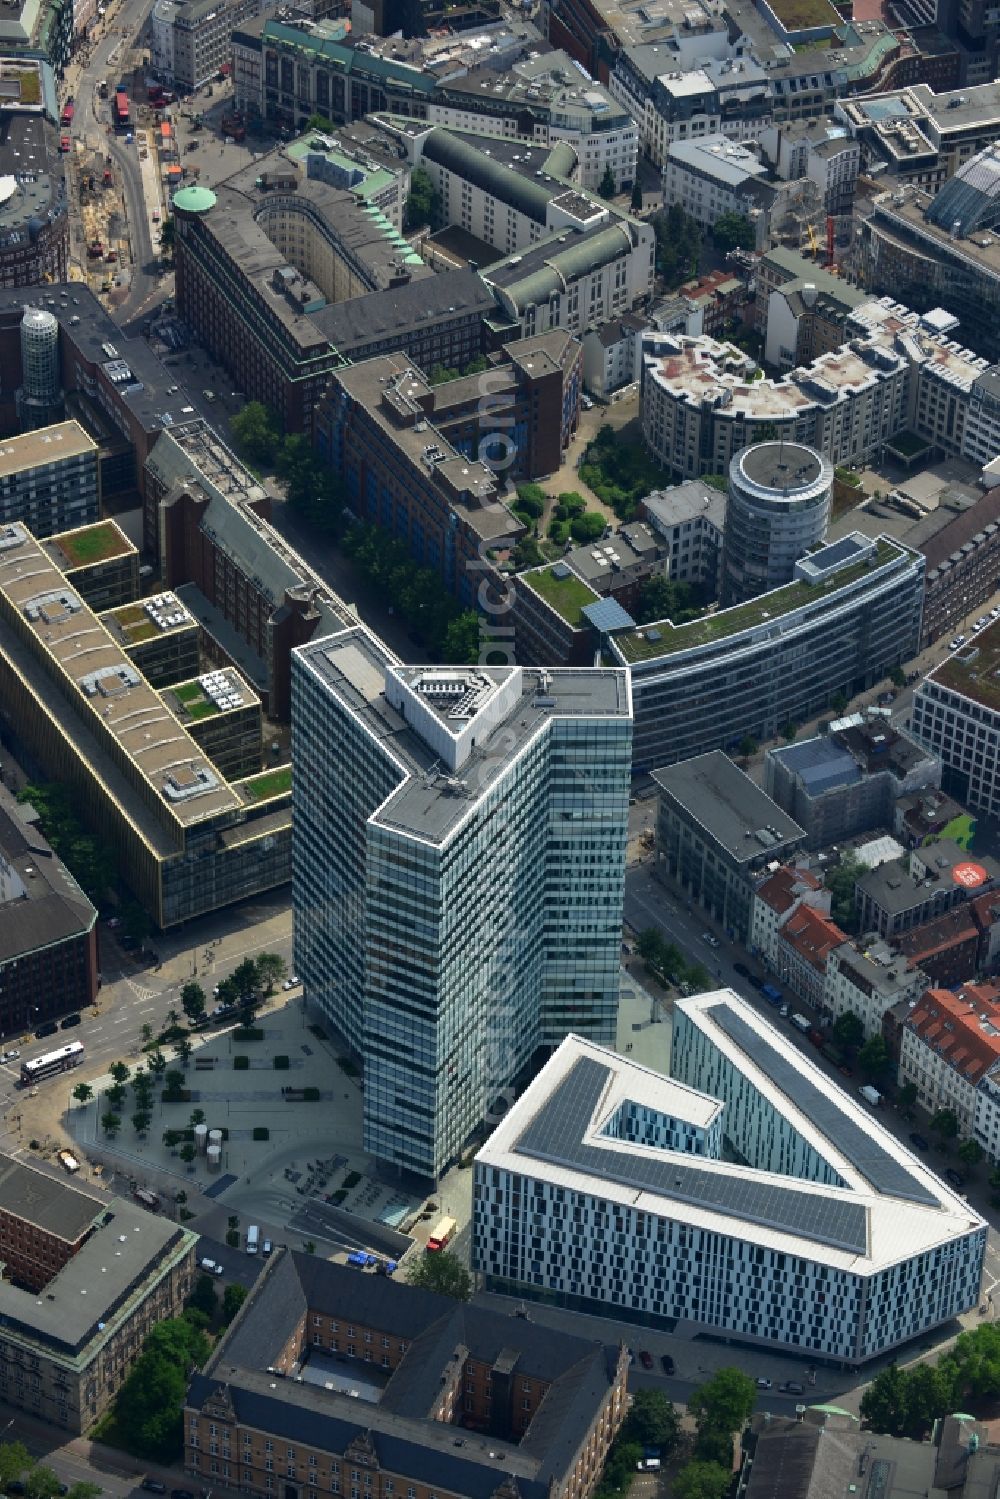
<point>30,87</point>
<point>134,623</point>
<point>277,782</point>
<point>193,700</point>
<point>769,606</point>
<point>566,595</point>
<point>92,544</point>
<point>803,15</point>
<point>974,671</point>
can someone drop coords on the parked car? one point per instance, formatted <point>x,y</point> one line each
<point>645,1358</point>
<point>11,1055</point>
<point>153,1486</point>
<point>956,1178</point>
<point>755,981</point>
<point>919,1142</point>
<point>707,937</point>
<point>48,1029</point>
<point>981,622</point>
<point>763,1384</point>
<point>68,1021</point>
<point>666,1363</point>
<point>790,1387</point>
<point>742,970</point>
<point>957,643</point>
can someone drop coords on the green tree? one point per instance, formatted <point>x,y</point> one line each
<point>636,202</point>
<point>257,432</point>
<point>840,881</point>
<point>120,1072</point>
<point>789,731</point>
<point>678,248</point>
<point>232,1299</point>
<point>649,946</point>
<point>111,1123</point>
<point>187,1152</point>
<point>907,1096</point>
<point>15,1459</point>
<point>883,1404</point>
<point>651,1421</point>
<point>531,499</point>
<point>141,1120</point>
<point>848,1030</point>
<point>974,1363</point>
<point>157,1063</point>
<point>84,1490</point>
<point>702,1481</point>
<point>41,1483</point>
<point>928,1393</point>
<point>168,234</point>
<point>748,746</point>
<point>320,122</point>
<point>83,1092</point>
<point>115,1095</point>
<point>271,971</point>
<point>698,977</point>
<point>203,1296</point>
<point>970,1153</point>
<point>463,639</point>
<point>897,677</point>
<point>247,979</point>
<point>148,1411</point>
<point>311,486</point>
<point>193,1002</point>
<point>443,1272</point>
<point>873,1058</point>
<point>838,702</point>
<point>724,1401</point>
<point>422,204</point>
<point>589,527</point>
<point>945,1125</point>
<point>607,184</point>
<point>146,1033</point>
<point>183,1050</point>
<point>733,231</point>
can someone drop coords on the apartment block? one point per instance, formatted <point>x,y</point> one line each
<point>100,562</point>
<point>963,554</point>
<point>776,898</point>
<point>802,948</point>
<point>849,780</point>
<point>869,983</point>
<point>159,635</point>
<point>949,1042</point>
<point>88,1277</point>
<point>817,1234</point>
<point>852,613</point>
<point>49,958</point>
<point>358,1381</point>
<point>956,713</point>
<point>715,832</point>
<point>49,480</point>
<point>188,840</point>
<point>945,947</point>
<point>414,788</point>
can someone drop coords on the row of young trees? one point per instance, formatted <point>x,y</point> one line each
<point>666,961</point>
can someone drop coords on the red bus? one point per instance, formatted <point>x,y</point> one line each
<point>122,119</point>
<point>66,119</point>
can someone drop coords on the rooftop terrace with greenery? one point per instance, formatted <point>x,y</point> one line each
<point>974,671</point>
<point>568,595</point>
<point>637,646</point>
<point>275,782</point>
<point>90,544</point>
<point>192,702</point>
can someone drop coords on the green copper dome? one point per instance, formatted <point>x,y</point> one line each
<point>194,199</point>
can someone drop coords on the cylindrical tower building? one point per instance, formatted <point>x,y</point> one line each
<point>778,507</point>
<point>40,356</point>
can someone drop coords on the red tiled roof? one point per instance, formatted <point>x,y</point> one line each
<point>966,1034</point>
<point>812,935</point>
<point>781,889</point>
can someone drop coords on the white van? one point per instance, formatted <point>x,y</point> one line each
<point>253,1235</point>
<point>211,1267</point>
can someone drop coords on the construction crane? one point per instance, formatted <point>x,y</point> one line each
<point>813,241</point>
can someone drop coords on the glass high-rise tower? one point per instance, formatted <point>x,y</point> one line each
<point>458,874</point>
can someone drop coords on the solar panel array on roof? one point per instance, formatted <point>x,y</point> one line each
<point>876,1165</point>
<point>607,615</point>
<point>836,554</point>
<point>556,1134</point>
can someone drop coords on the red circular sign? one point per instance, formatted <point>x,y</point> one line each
<point>969,875</point>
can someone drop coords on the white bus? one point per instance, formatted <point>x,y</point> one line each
<point>39,1068</point>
